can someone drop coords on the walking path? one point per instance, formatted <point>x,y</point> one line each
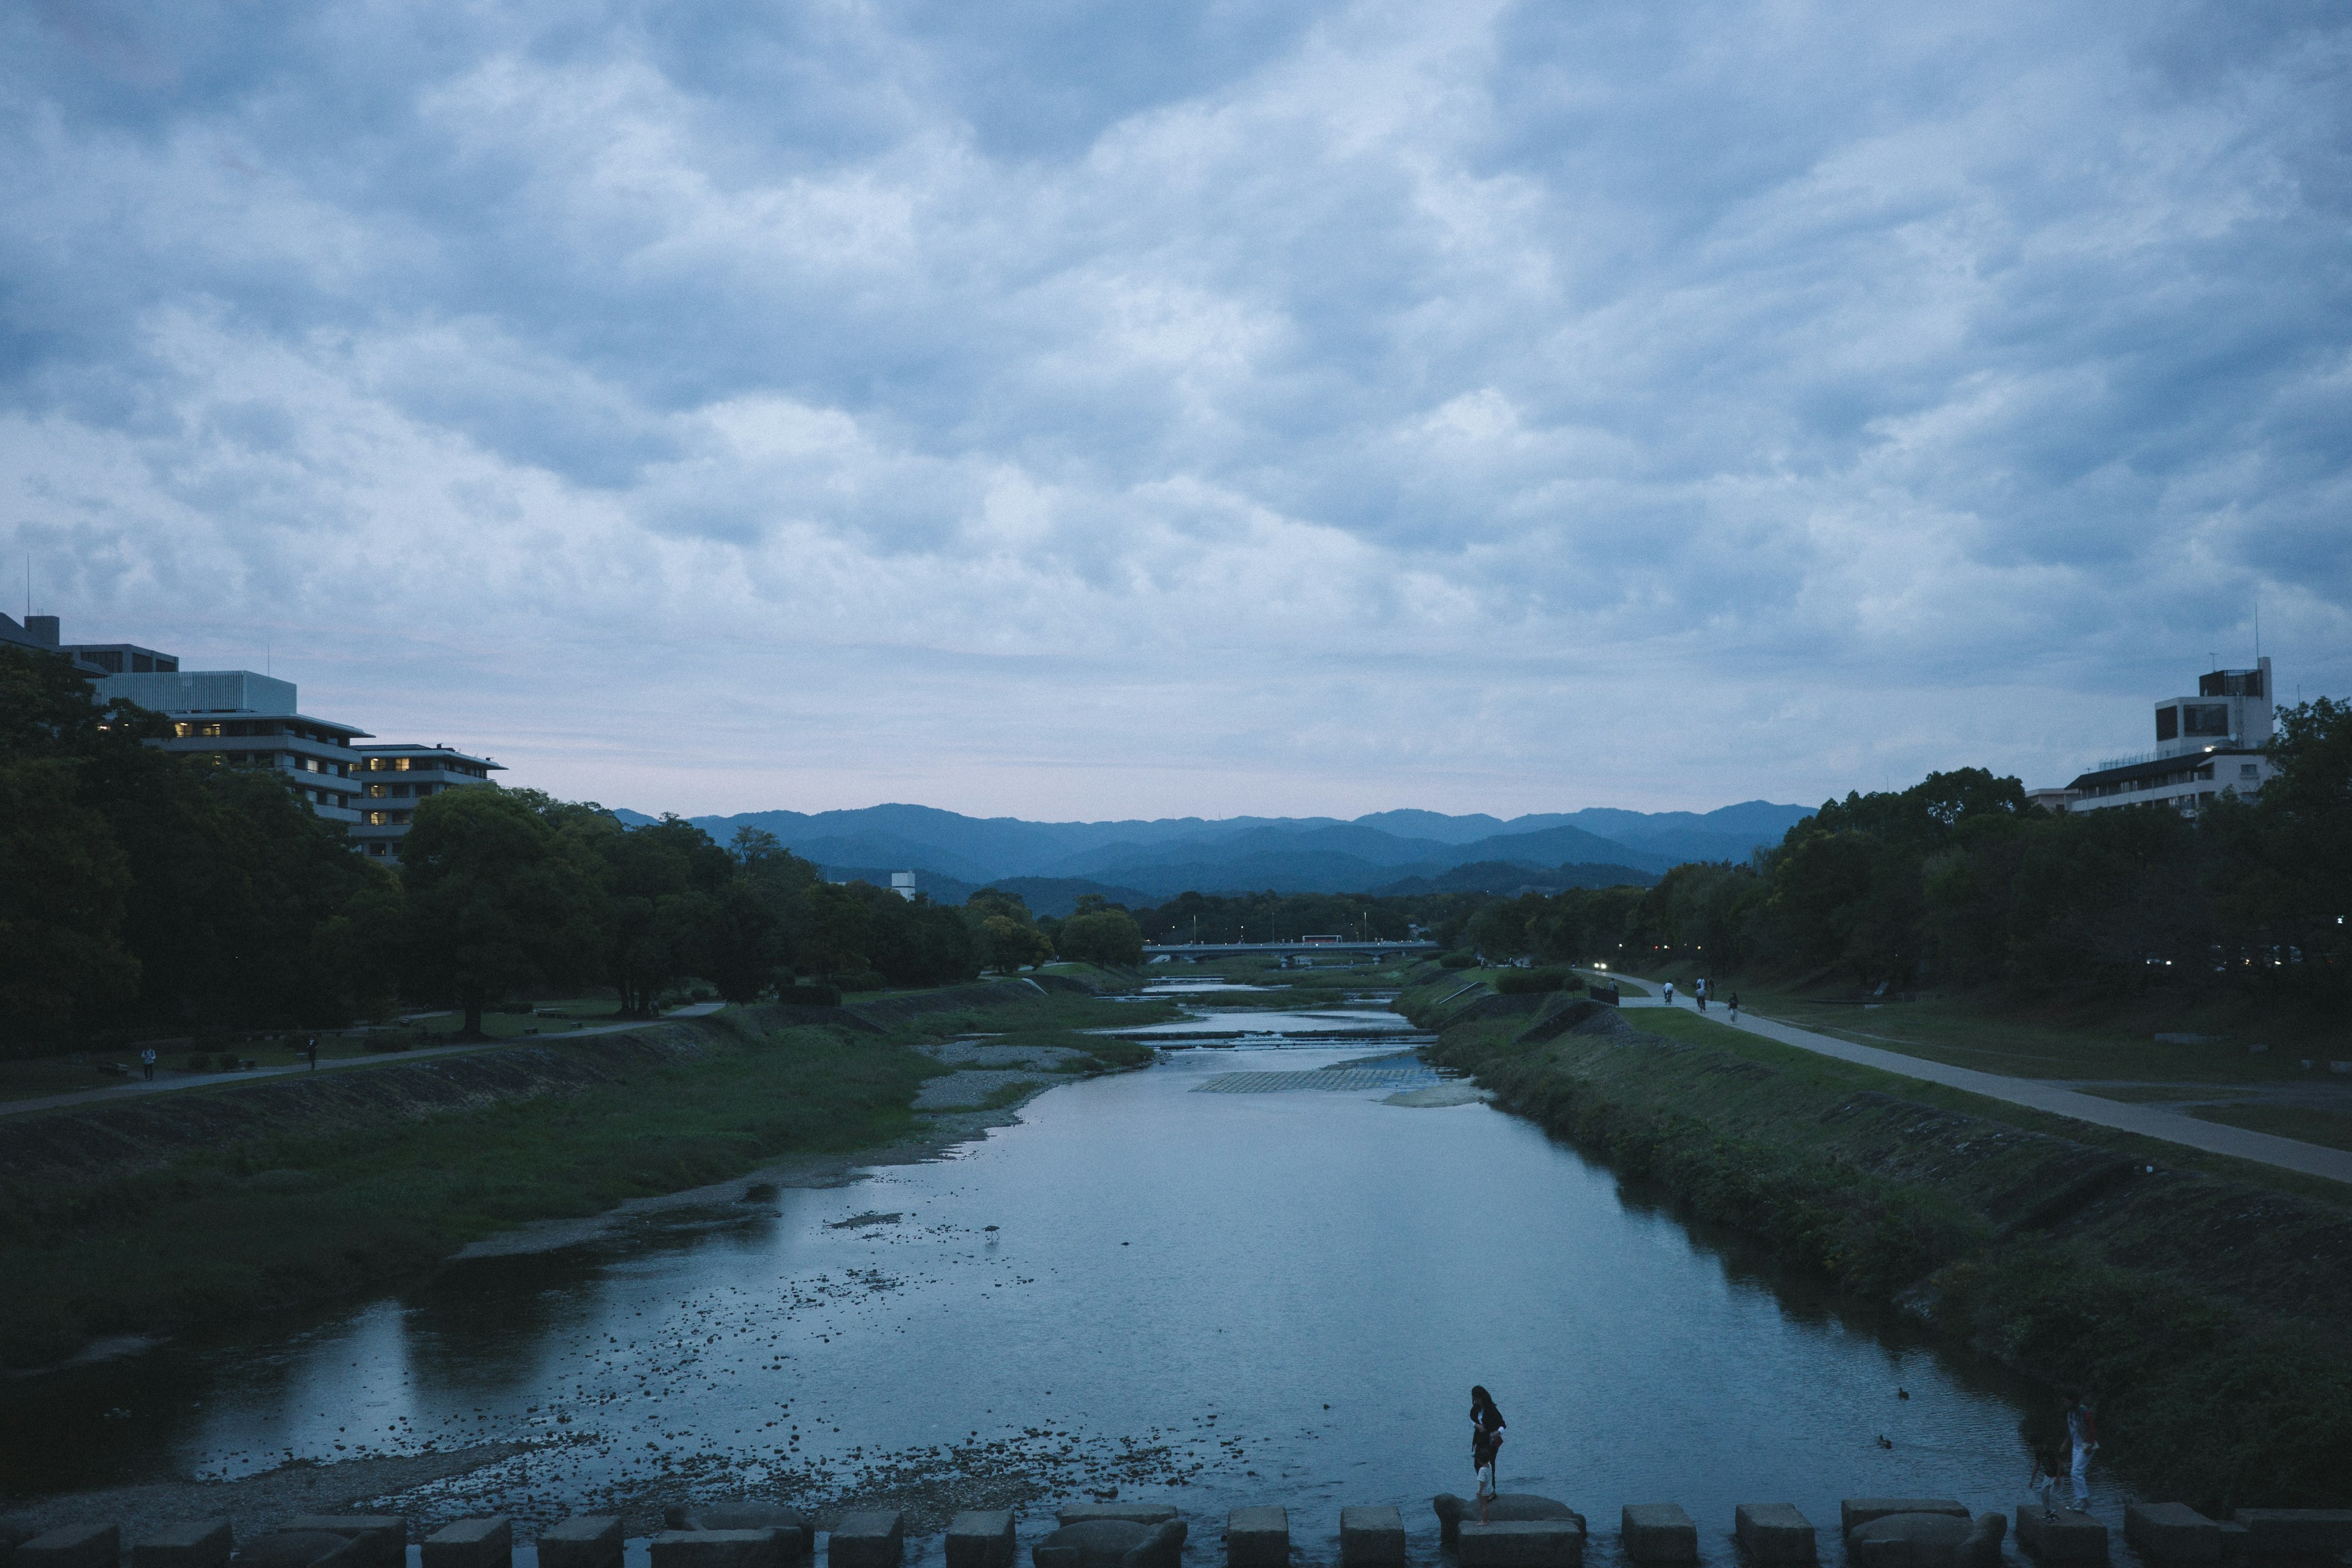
<point>339,1063</point>
<point>2147,1120</point>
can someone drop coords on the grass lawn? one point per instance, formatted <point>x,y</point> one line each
<point>2332,1128</point>
<point>2111,1041</point>
<point>1812,1067</point>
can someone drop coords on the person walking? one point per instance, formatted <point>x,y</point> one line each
<point>1735,1006</point>
<point>1670,993</point>
<point>313,1053</point>
<point>147,1061</point>
<point>1486,1443</point>
<point>2044,1441</point>
<point>2081,1440</point>
<point>1698,989</point>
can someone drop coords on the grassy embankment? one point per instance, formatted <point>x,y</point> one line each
<point>342,1185</point>
<point>2107,1044</point>
<point>2201,1302</point>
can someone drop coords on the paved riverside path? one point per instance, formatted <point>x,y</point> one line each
<point>2147,1120</point>
<point>140,1088</point>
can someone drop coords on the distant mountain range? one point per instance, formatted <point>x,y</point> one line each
<point>1051,863</point>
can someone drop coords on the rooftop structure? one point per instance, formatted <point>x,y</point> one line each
<point>93,659</point>
<point>2206,745</point>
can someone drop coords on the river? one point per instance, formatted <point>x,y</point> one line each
<point>1218,1298</point>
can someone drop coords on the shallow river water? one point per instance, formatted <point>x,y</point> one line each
<point>1217,1298</point>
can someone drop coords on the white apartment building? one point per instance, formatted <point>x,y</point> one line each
<point>243,720</point>
<point>392,779</point>
<point>2206,745</point>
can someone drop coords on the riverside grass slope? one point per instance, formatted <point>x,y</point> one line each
<point>213,1206</point>
<point>2201,1302</point>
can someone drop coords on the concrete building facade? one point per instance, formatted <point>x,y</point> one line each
<point>2208,744</point>
<point>392,779</point>
<point>243,720</point>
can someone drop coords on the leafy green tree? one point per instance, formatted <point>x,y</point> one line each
<point>64,883</point>
<point>1101,935</point>
<point>665,916</point>
<point>497,897</point>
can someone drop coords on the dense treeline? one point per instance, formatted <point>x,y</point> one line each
<point>1959,882</point>
<point>146,892</point>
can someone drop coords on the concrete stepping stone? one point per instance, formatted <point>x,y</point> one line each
<point>1112,1543</point>
<point>800,1530</point>
<point>977,1538</point>
<point>1520,1543</point>
<point>2059,1535</point>
<point>1257,1538</point>
<point>1858,1510</point>
<point>2172,1533</point>
<point>1372,1535</point>
<point>1928,1540</point>
<point>2276,1532</point>
<point>1129,1513</point>
<point>869,1538</point>
<point>583,1540</point>
<point>720,1548</point>
<point>1659,1532</point>
<point>379,1540</point>
<point>1774,1533</point>
<point>71,1546</point>
<point>1453,1512</point>
<point>487,1542</point>
<point>192,1543</point>
<point>301,1549</point>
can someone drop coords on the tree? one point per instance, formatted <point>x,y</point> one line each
<point>665,916</point>
<point>498,898</point>
<point>1101,935</point>
<point>63,887</point>
<point>1006,938</point>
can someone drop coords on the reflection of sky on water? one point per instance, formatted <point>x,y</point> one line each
<point>1301,1286</point>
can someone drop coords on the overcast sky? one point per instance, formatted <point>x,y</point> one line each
<point>1082,410</point>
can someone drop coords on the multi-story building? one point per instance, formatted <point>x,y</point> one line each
<point>2206,745</point>
<point>394,778</point>
<point>244,719</point>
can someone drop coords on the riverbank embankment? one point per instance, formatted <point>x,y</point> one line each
<point>152,1216</point>
<point>2203,1311</point>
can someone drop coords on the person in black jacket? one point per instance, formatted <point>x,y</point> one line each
<point>1486,1443</point>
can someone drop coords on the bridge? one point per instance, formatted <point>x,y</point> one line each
<point>1372,948</point>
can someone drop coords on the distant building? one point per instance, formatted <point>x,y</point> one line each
<point>92,659</point>
<point>394,778</point>
<point>243,720</point>
<point>903,884</point>
<point>2206,745</point>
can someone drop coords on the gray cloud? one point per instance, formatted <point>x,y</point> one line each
<point>1259,406</point>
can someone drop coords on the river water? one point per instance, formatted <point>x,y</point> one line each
<point>1217,1298</point>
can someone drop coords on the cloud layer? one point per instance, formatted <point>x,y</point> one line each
<point>1270,407</point>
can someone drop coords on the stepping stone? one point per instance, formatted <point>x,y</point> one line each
<point>1856,1510</point>
<point>1659,1532</point>
<point>977,1538</point>
<point>1505,1508</point>
<point>583,1540</point>
<point>2270,1532</point>
<point>192,1543</point>
<point>471,1543</point>
<point>1131,1512</point>
<point>800,1531</point>
<point>2064,1536</point>
<point>870,1538</point>
<point>1371,1536</point>
<point>71,1546</point>
<point>381,1538</point>
<point>1774,1533</point>
<point>1257,1538</point>
<point>721,1549</point>
<point>1112,1543</point>
<point>1519,1543</point>
<point>2172,1533</point>
<point>299,1549</point>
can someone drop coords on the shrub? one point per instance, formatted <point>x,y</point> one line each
<point>1457,960</point>
<point>809,996</point>
<point>861,980</point>
<point>1527,981</point>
